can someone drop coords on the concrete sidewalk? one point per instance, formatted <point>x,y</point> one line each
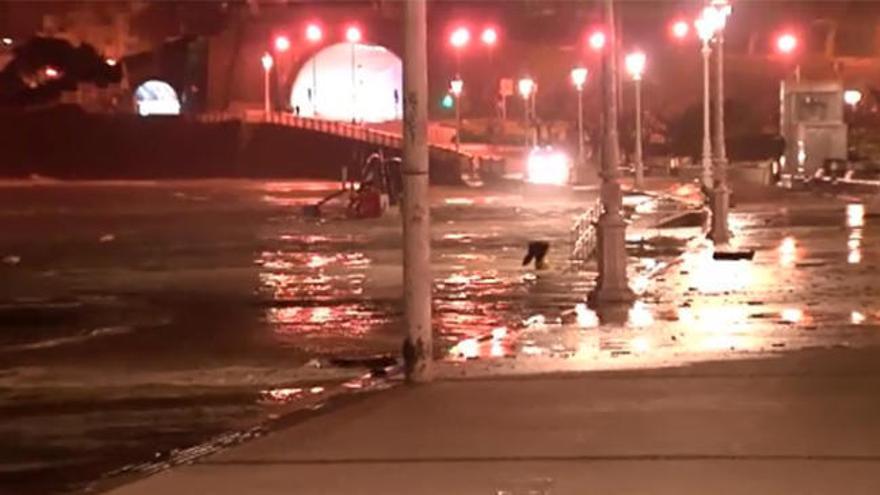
<point>804,423</point>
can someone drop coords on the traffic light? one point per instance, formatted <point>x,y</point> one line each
<point>448,101</point>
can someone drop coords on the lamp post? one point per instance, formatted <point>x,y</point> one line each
<point>416,211</point>
<point>455,87</point>
<point>526,88</point>
<point>611,285</point>
<point>706,25</point>
<point>314,34</point>
<point>459,39</point>
<point>353,36</point>
<point>489,37</point>
<point>635,65</point>
<point>719,232</point>
<point>579,78</point>
<point>786,44</point>
<point>267,62</point>
<point>852,97</point>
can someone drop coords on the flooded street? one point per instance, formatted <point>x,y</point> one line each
<point>140,318</point>
<point>145,324</point>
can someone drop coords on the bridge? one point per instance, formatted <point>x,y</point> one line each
<point>472,168</point>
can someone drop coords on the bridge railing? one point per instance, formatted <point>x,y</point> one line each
<point>342,129</point>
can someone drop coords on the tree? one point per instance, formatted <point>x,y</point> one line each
<point>43,68</point>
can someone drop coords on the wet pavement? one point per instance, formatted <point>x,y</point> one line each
<point>146,324</point>
<point>141,319</point>
<point>812,283</point>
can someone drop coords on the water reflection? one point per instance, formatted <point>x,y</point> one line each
<point>855,215</point>
<point>854,247</point>
<point>787,252</point>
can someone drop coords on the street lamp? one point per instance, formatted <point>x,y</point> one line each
<point>596,40</point>
<point>719,232</point>
<point>635,65</point>
<point>852,97</point>
<point>455,87</point>
<point>314,34</point>
<point>526,88</point>
<point>489,36</point>
<point>579,78</point>
<point>786,44</point>
<point>680,29</point>
<point>353,36</point>
<point>282,43</point>
<point>459,39</point>
<point>706,25</point>
<point>267,62</point>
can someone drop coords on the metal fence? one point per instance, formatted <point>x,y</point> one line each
<point>583,236</point>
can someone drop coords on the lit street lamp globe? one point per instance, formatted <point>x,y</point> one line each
<point>526,86</point>
<point>456,86</point>
<point>579,77</point>
<point>786,43</point>
<point>597,40</point>
<point>489,36</point>
<point>635,65</point>
<point>353,34</point>
<point>267,62</point>
<point>852,97</point>
<point>314,33</point>
<point>282,43</point>
<point>460,37</point>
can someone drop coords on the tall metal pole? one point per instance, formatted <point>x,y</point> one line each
<point>418,345</point>
<point>640,165</point>
<point>458,122</point>
<point>527,122</point>
<point>719,232</point>
<point>720,145</point>
<point>353,86</point>
<point>267,101</point>
<point>582,176</point>
<point>707,144</point>
<point>611,285</point>
<point>315,86</point>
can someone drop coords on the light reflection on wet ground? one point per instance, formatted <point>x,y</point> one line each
<point>804,288</point>
<point>163,314</point>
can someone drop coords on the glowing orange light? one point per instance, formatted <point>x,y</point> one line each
<point>460,37</point>
<point>786,43</point>
<point>489,36</point>
<point>51,72</point>
<point>314,33</point>
<point>282,43</point>
<point>680,29</point>
<point>353,34</point>
<point>597,40</point>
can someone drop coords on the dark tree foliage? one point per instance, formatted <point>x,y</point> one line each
<point>21,83</point>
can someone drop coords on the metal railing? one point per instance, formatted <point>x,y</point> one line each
<point>337,128</point>
<point>583,235</point>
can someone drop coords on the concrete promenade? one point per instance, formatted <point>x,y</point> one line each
<point>784,400</point>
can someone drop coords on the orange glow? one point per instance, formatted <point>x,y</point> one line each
<point>353,34</point>
<point>680,29</point>
<point>489,36</point>
<point>282,43</point>
<point>51,72</point>
<point>786,43</point>
<point>597,40</point>
<point>314,33</point>
<point>460,37</point>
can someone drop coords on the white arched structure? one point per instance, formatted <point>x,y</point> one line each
<point>156,97</point>
<point>325,88</point>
